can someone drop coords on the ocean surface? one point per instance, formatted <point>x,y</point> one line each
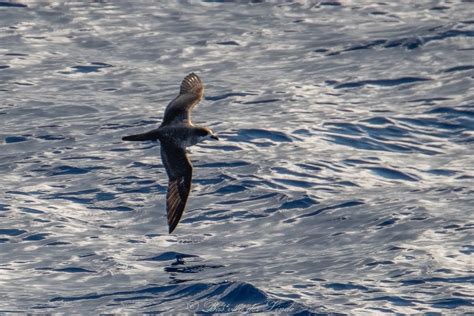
<point>343,181</point>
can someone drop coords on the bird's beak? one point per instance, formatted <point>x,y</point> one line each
<point>214,136</point>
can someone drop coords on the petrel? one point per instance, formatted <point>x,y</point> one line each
<point>175,134</point>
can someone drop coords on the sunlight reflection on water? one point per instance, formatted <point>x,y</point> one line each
<point>342,182</point>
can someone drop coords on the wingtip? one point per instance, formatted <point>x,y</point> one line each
<point>191,84</point>
<point>172,226</point>
<point>192,74</point>
<point>173,222</point>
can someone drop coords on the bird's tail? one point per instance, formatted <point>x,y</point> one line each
<point>141,137</point>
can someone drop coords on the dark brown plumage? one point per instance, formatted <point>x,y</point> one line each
<point>175,133</point>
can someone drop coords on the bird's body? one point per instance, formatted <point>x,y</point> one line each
<point>182,136</point>
<point>175,134</point>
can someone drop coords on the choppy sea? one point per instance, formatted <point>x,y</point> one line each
<point>343,181</point>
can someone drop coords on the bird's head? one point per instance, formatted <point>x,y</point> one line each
<point>205,133</point>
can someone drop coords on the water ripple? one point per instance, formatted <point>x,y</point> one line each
<point>380,82</point>
<point>342,182</point>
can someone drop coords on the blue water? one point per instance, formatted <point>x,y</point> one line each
<point>343,181</point>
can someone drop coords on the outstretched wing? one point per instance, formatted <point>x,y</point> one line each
<point>190,93</point>
<point>180,172</point>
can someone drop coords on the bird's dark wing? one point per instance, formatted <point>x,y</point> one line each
<point>190,93</point>
<point>180,172</point>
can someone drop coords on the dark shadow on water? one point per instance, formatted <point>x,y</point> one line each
<point>202,298</point>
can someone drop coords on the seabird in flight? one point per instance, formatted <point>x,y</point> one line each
<point>175,133</point>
